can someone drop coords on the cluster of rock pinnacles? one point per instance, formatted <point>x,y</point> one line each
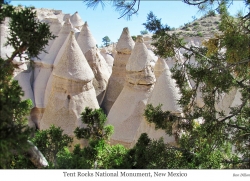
<point>76,74</point>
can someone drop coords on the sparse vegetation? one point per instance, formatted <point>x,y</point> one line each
<point>200,34</point>
<point>134,38</point>
<point>195,23</point>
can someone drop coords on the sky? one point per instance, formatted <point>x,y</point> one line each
<point>105,22</point>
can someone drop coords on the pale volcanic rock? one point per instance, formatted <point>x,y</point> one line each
<point>85,39</point>
<point>72,90</point>
<point>139,68</point>
<point>57,59</point>
<point>125,43</point>
<point>6,51</point>
<point>160,66</point>
<point>166,93</point>
<point>55,27</point>
<point>24,80</point>
<point>126,115</point>
<point>76,20</point>
<point>117,79</point>
<point>40,82</point>
<point>226,100</point>
<point>139,58</point>
<point>108,58</point>
<point>100,70</point>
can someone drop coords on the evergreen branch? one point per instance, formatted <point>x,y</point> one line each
<point>232,115</point>
<point>131,7</point>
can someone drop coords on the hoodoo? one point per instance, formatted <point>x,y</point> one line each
<point>85,39</point>
<point>72,90</point>
<point>108,57</point>
<point>160,66</point>
<point>100,70</point>
<point>47,65</point>
<point>96,61</point>
<point>166,93</point>
<point>76,20</point>
<point>117,79</point>
<point>126,115</point>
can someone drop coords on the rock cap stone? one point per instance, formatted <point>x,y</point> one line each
<point>139,58</point>
<point>125,43</point>
<point>73,64</point>
<point>85,39</point>
<point>76,20</point>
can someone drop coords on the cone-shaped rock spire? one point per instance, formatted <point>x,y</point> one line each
<point>140,57</point>
<point>85,39</point>
<point>6,51</point>
<point>139,69</point>
<point>125,43</point>
<point>76,20</point>
<point>41,80</point>
<point>101,72</point>
<point>117,79</point>
<point>72,90</point>
<point>160,66</point>
<point>55,27</point>
<point>78,68</point>
<point>126,115</point>
<point>166,93</point>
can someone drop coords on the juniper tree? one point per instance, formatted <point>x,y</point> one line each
<point>106,41</point>
<point>25,35</point>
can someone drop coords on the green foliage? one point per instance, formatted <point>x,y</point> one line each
<point>144,32</point>
<point>200,34</point>
<point>50,142</point>
<point>125,8</point>
<point>195,23</point>
<point>95,125</point>
<point>134,38</point>
<point>26,34</point>
<point>162,120</point>
<point>13,123</point>
<point>210,13</point>
<point>98,154</point>
<point>154,25</point>
<point>106,41</point>
<point>215,73</point>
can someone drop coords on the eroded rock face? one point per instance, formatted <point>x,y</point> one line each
<point>166,93</point>
<point>126,115</point>
<point>108,58</point>
<point>72,90</point>
<point>117,79</point>
<point>100,70</point>
<point>76,20</point>
<point>85,39</point>
<point>6,51</point>
<point>160,66</point>
<point>46,68</point>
